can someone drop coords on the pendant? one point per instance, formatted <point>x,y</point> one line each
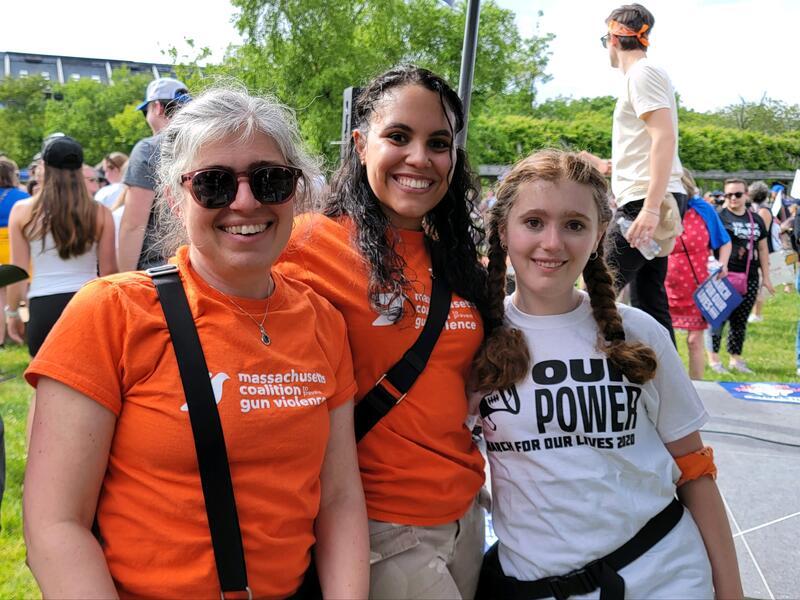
<point>264,337</point>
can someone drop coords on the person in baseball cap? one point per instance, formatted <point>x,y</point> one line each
<point>62,152</point>
<point>137,243</point>
<point>166,90</point>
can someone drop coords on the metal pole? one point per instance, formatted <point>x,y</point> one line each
<point>468,63</point>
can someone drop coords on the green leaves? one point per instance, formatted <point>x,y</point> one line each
<point>101,117</point>
<point>308,51</point>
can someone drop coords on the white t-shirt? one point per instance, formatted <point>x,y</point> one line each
<point>645,88</point>
<point>108,195</point>
<point>578,461</point>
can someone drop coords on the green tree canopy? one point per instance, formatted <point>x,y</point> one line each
<point>307,52</point>
<point>101,117</point>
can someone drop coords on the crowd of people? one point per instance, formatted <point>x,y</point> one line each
<point>322,442</point>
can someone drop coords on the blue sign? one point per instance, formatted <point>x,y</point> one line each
<point>784,393</point>
<point>716,299</point>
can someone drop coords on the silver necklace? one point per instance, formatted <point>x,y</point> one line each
<point>265,339</point>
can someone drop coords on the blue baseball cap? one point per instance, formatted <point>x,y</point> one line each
<point>778,187</point>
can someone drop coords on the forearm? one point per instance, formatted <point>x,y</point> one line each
<point>725,253</point>
<point>662,150</point>
<point>131,238</point>
<point>68,562</point>
<point>702,498</point>
<point>342,548</point>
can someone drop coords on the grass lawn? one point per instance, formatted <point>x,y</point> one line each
<point>769,347</point>
<point>769,350</point>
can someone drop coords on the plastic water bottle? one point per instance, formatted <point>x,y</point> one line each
<point>649,249</point>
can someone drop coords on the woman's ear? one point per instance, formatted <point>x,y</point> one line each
<point>360,142</point>
<point>600,235</point>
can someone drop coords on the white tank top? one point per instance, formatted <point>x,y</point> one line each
<point>54,275</point>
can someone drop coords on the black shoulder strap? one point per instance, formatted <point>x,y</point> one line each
<point>377,403</point>
<point>209,442</point>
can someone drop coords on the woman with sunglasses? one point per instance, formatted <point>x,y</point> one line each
<point>112,437</point>
<point>399,210</point>
<point>749,255</point>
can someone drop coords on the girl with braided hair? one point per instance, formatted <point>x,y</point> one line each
<point>398,213</point>
<point>589,418</point>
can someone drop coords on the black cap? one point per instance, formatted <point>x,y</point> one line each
<point>62,152</point>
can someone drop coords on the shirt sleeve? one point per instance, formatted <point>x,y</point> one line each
<point>717,234</point>
<point>141,166</point>
<point>677,409</point>
<point>649,89</point>
<point>85,347</point>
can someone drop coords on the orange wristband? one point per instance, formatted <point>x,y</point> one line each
<point>696,465</point>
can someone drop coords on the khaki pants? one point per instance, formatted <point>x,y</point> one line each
<point>438,562</point>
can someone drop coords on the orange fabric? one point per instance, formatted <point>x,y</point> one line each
<point>616,28</point>
<point>5,246</point>
<point>696,465</point>
<point>112,345</point>
<point>418,465</point>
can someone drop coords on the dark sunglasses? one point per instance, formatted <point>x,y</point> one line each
<point>216,187</point>
<point>604,40</point>
<point>732,195</point>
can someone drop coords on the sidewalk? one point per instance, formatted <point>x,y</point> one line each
<point>760,484</point>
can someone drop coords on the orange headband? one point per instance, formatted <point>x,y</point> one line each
<point>619,29</point>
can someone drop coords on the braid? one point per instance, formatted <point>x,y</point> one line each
<point>636,360</point>
<point>503,358</point>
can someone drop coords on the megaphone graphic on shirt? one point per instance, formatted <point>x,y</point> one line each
<point>499,401</point>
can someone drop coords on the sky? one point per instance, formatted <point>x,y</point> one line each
<point>716,51</point>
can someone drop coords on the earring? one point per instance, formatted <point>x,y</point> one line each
<point>504,247</point>
<point>593,255</point>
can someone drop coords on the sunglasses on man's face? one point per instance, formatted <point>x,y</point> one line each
<point>732,195</point>
<point>216,187</point>
<point>604,40</point>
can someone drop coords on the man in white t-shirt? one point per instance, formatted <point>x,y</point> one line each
<point>645,168</point>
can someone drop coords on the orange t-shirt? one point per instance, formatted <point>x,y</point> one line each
<point>418,464</point>
<point>112,344</point>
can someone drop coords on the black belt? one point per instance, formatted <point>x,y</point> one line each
<point>602,573</point>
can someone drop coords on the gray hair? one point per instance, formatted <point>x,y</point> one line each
<point>219,113</point>
<point>758,192</point>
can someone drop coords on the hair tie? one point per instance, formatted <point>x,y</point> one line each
<point>615,336</point>
<point>618,29</point>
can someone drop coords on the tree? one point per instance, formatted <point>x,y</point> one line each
<point>767,116</point>
<point>98,116</point>
<point>91,113</point>
<point>307,52</point>
<point>22,107</point>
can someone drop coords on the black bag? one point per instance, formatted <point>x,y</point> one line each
<point>377,402</point>
<point>212,456</point>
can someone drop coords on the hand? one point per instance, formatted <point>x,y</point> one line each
<point>723,272</point>
<point>642,228</point>
<point>768,284</point>
<point>16,329</point>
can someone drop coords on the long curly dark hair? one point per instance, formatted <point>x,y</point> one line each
<point>452,236</point>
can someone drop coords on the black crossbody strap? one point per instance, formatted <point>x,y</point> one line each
<point>379,401</point>
<point>689,258</point>
<point>209,441</point>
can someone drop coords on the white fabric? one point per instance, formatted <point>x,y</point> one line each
<point>108,195</point>
<point>54,275</point>
<point>645,88</point>
<point>568,489</point>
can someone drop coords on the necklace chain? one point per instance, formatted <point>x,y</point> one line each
<point>265,339</point>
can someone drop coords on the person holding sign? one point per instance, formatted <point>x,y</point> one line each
<point>750,253</point>
<point>589,417</point>
<point>688,268</point>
